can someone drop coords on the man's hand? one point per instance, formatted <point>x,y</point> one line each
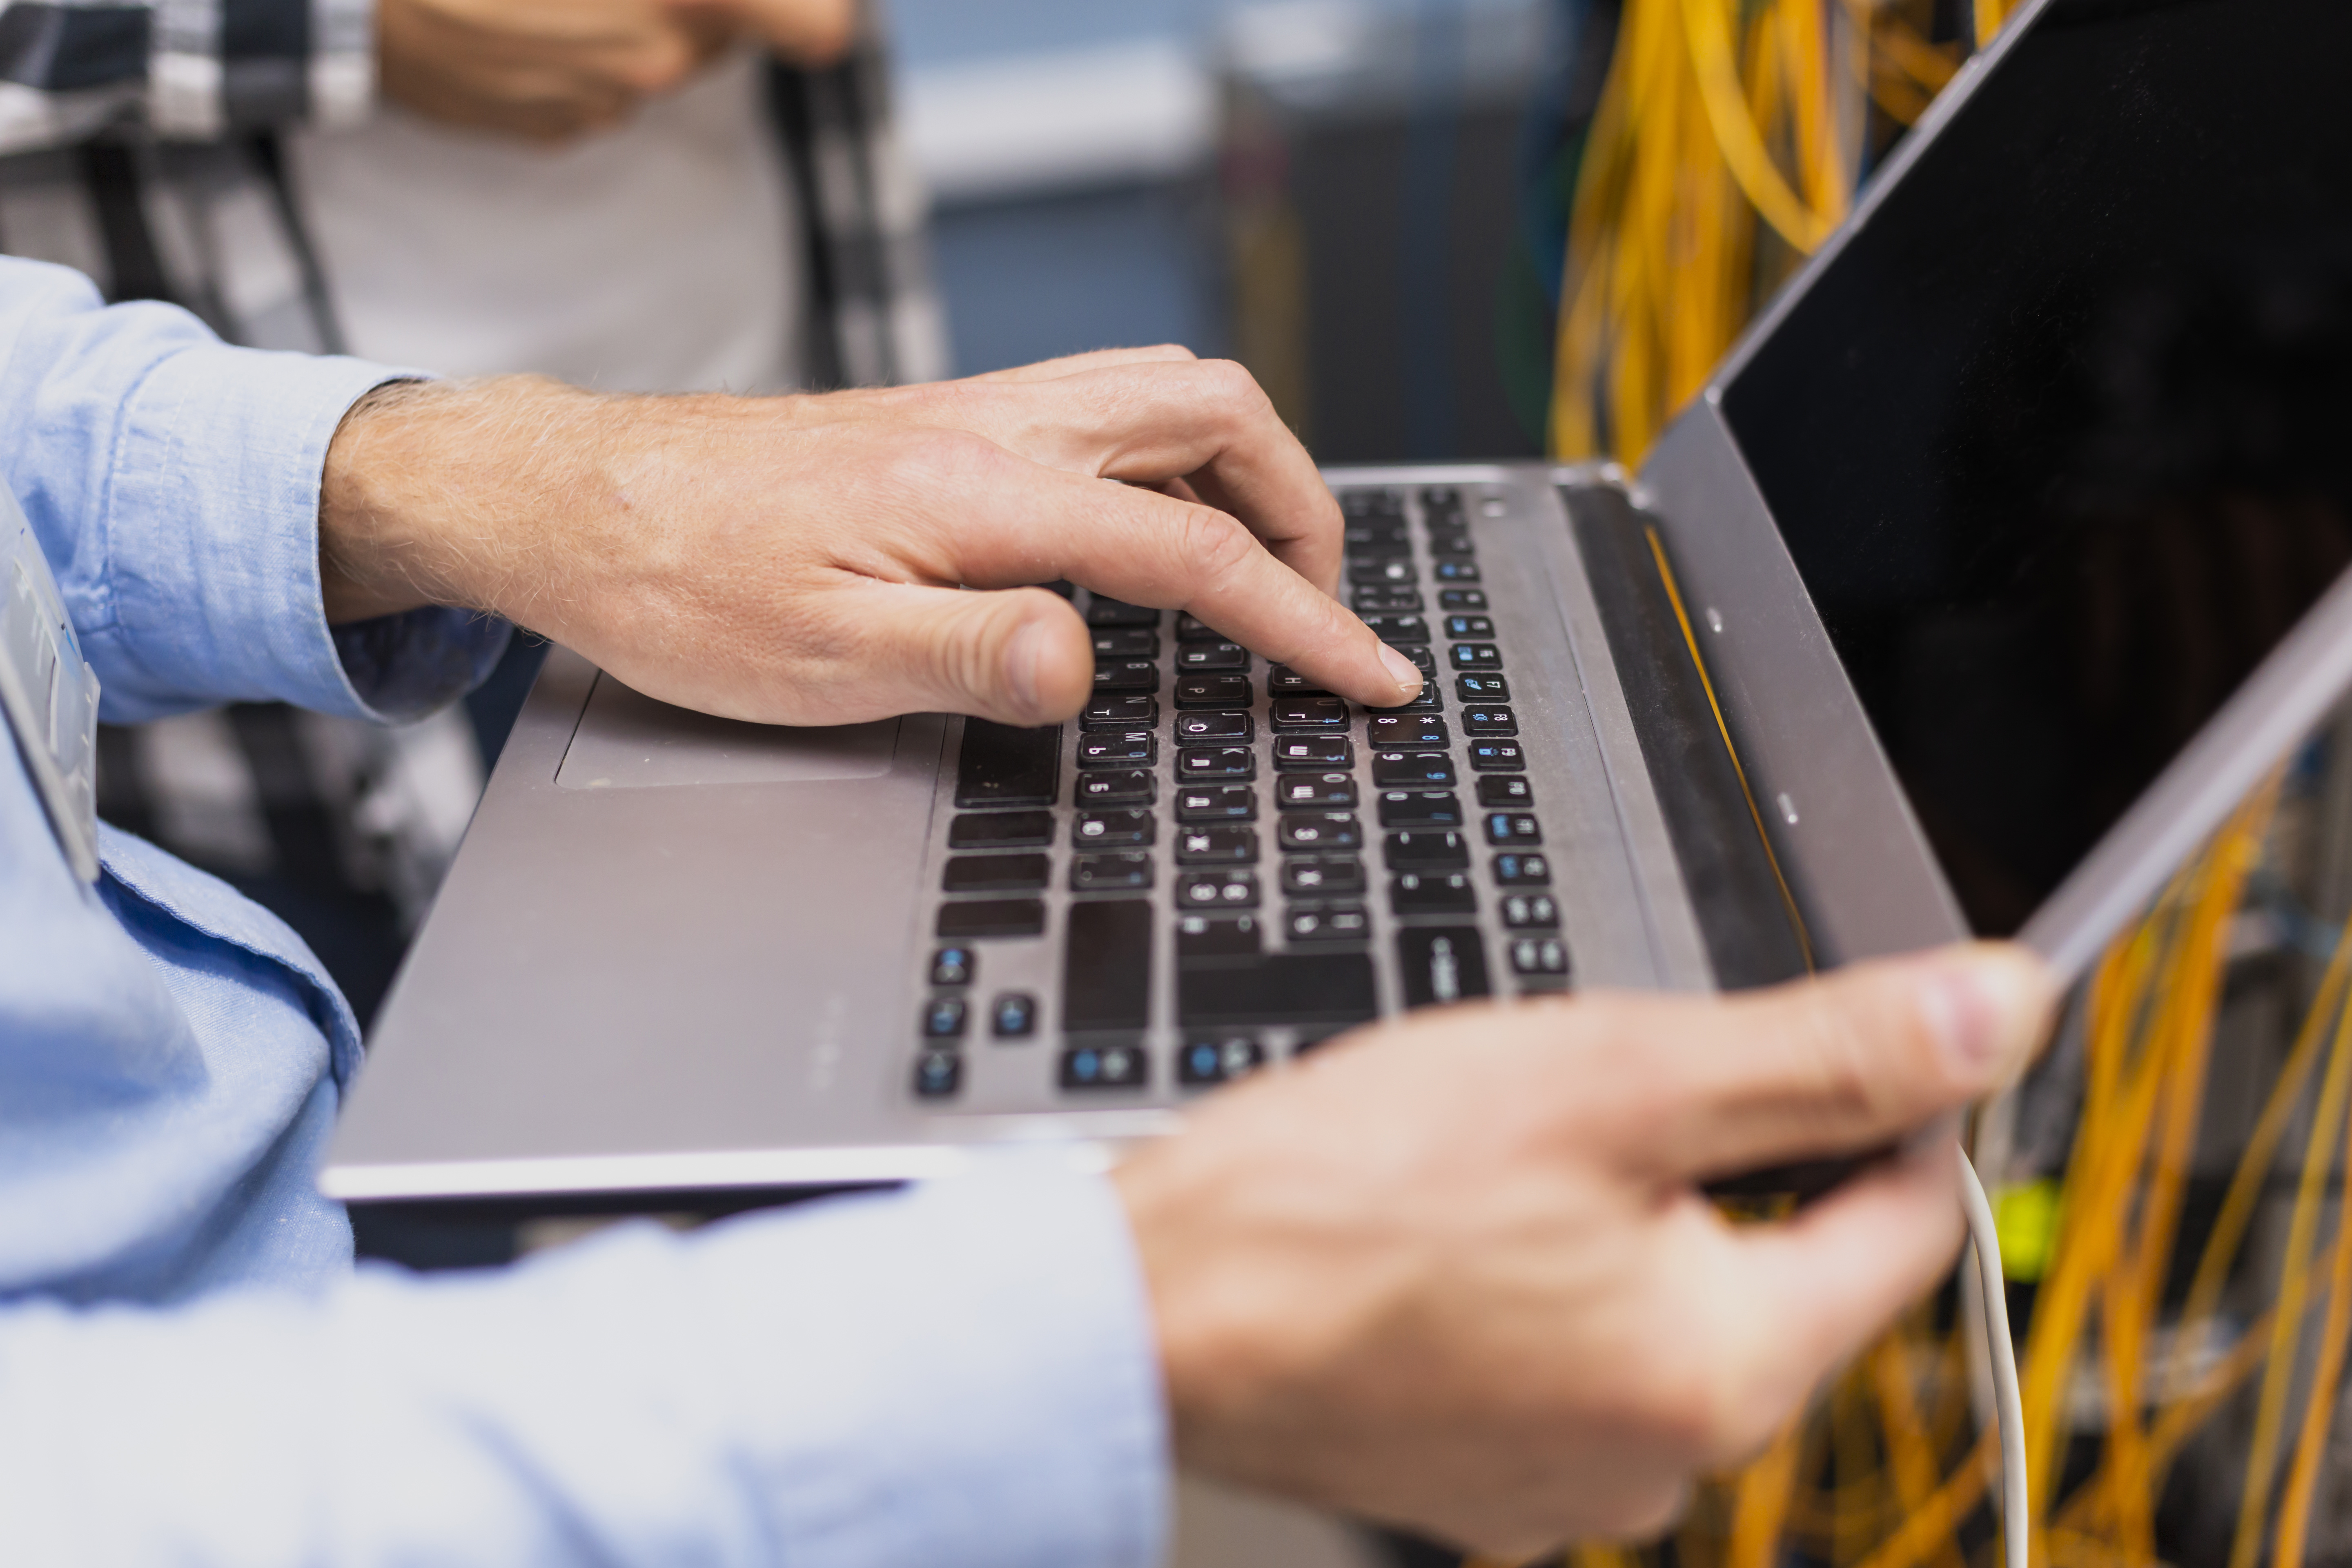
<point>1456,1273</point>
<point>548,70</point>
<point>798,560</point>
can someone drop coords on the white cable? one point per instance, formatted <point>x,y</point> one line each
<point>2007,1404</point>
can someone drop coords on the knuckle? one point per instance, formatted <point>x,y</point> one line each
<point>1231,388</point>
<point>1214,546</point>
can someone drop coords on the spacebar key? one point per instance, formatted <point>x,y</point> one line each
<point>1106,966</point>
<point>1278,988</point>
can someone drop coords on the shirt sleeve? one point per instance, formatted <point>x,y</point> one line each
<point>190,70</point>
<point>174,483</point>
<point>958,1374</point>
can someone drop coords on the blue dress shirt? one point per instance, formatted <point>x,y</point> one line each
<point>190,1370</point>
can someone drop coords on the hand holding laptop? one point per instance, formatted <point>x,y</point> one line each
<point>798,559</point>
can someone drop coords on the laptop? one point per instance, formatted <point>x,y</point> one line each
<point>1997,562</point>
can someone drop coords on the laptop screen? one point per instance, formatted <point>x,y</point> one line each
<point>2061,442</point>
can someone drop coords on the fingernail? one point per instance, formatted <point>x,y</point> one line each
<point>1024,651</point>
<point>1403,671</point>
<point>1985,1006</point>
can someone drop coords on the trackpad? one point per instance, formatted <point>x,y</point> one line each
<point>629,740</point>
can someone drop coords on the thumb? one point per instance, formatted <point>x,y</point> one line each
<point>1020,655</point>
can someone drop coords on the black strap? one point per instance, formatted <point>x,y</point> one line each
<point>823,359</point>
<point>268,151</point>
<point>134,266</point>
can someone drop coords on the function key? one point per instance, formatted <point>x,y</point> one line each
<point>1469,625</point>
<point>1215,803</point>
<point>1513,827</point>
<point>1204,656</point>
<point>1131,828</point>
<point>1012,1016</point>
<point>1405,732</point>
<point>1327,922</point>
<point>1482,688</point>
<point>1530,911</point>
<point>1386,601</point>
<point>1001,830</point>
<point>994,873</point>
<point>1203,1061</point>
<point>1420,808</point>
<point>1127,642</point>
<point>978,917</point>
<point>1376,500</point>
<point>1438,499</point>
<point>1217,845</point>
<point>937,1074</point>
<point>1505,789</point>
<point>1117,749</point>
<point>1462,598</point>
<point>1127,871</point>
<point>1120,713</point>
<point>1489,720</point>
<point>1309,713</point>
<point>1455,571</point>
<point>1192,727</point>
<point>1190,627</point>
<point>1216,936</point>
<point>1425,849</point>
<point>1376,536</point>
<point>1229,889</point>
<point>954,966</point>
<point>1104,1066</point>
<point>1392,573</point>
<point>1476,656</point>
<point>1442,963</point>
<point>1411,770</point>
<point>1399,628</point>
<point>1522,871</point>
<point>1314,792</point>
<point>1306,752</point>
<point>1539,958</point>
<point>1303,832</point>
<point>1115,786</point>
<point>1308,877</point>
<point>1127,675</point>
<point>1102,612</point>
<point>1215,763</point>
<point>944,1018</point>
<point>1449,541</point>
<point>1495,757</point>
<point>1213,691</point>
<point>1433,893</point>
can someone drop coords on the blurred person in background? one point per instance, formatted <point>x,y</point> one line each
<point>643,195</point>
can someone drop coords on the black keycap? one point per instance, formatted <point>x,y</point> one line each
<point>1482,688</point>
<point>1446,543</point>
<point>1305,832</point>
<point>1386,602</point>
<point>1399,628</point>
<point>954,966</point>
<point>1437,500</point>
<point>1372,539</point>
<point>1001,830</point>
<point>1425,850</point>
<point>1130,829</point>
<point>1012,1016</point>
<point>937,1074</point>
<point>1219,845</point>
<point>1216,936</point>
<point>1198,729</point>
<point>1062,586</point>
<point>1229,889</point>
<point>1102,612</point>
<point>944,1018</point>
<point>1190,627</point>
<point>1489,720</point>
<point>1213,691</point>
<point>1372,501</point>
<point>1300,753</point>
<point>1411,770</point>
<point>1106,966</point>
<point>1215,803</point>
<point>1277,988</point>
<point>994,873</point>
<point>1391,572</point>
<point>1124,871</point>
<point>1127,642</point>
<point>1428,702</point>
<point>1440,963</point>
<point>1511,829</point>
<point>1308,713</point>
<point>1215,763</point>
<point>1281,680</point>
<point>1121,713</point>
<point>1505,789</point>
<point>1476,656</point>
<point>1533,956</point>
<point>1420,808</point>
<point>1127,675</point>
<point>1422,661</point>
<point>1469,626</point>
<point>1117,749</point>
<point>1314,792</point>
<point>977,919</point>
<point>1316,877</point>
<point>1119,786</point>
<point>1204,658</point>
<point>1462,598</point>
<point>1495,757</point>
<point>1220,1059</point>
<point>1405,732</point>
<point>1455,571</point>
<point>1522,871</point>
<point>1433,893</point>
<point>1000,766</point>
<point>1106,1067</point>
<point>1325,923</point>
<point>1530,911</point>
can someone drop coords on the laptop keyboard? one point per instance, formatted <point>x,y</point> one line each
<point>1275,818</point>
